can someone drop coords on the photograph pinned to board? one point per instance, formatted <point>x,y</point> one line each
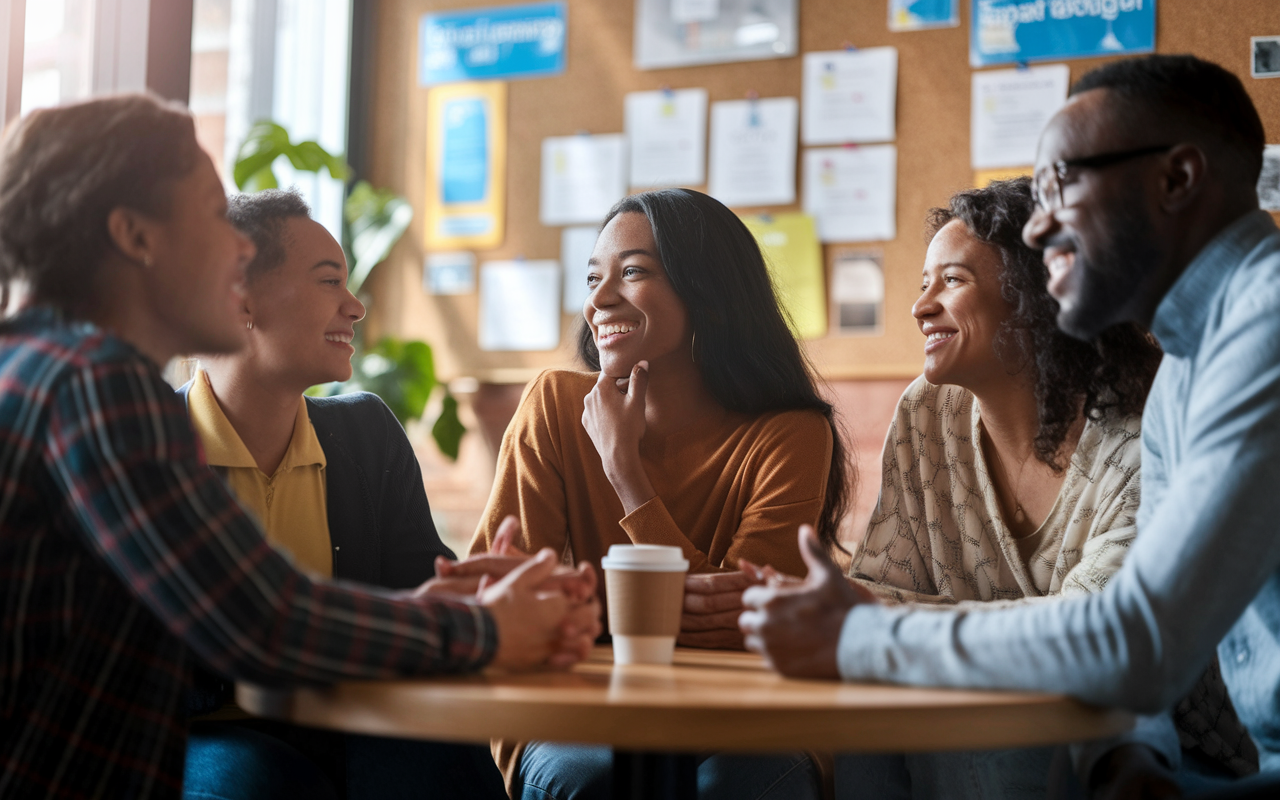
<point>519,305</point>
<point>466,166</point>
<point>582,177</point>
<point>791,251</point>
<point>449,273</point>
<point>1264,61</point>
<point>857,293</point>
<point>667,138</point>
<point>1269,180</point>
<point>679,33</point>
<point>1009,109</point>
<point>919,15</point>
<point>521,41</point>
<point>849,96</point>
<point>852,192</point>
<point>753,152</point>
<point>576,245</point>
<point>1013,31</point>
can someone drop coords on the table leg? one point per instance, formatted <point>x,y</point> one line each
<point>650,776</point>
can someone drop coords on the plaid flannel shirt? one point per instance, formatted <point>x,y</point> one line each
<point>122,554</point>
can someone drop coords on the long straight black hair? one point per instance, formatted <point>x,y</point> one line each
<point>745,351</point>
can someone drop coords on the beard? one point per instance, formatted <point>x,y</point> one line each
<point>1107,280</point>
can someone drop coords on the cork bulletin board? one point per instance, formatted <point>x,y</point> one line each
<point>932,140</point>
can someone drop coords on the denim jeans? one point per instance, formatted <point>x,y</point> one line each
<point>1020,774</point>
<point>1202,778</point>
<point>257,759</point>
<point>554,771</point>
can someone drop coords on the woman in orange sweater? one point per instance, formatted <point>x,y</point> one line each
<point>703,427</point>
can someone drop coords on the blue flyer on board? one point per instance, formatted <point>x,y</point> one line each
<point>1010,31</point>
<point>524,41</point>
<point>918,15</point>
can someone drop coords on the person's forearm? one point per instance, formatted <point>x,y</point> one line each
<point>627,476</point>
<point>1035,647</point>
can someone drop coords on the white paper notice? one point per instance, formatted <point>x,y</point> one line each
<point>576,245</point>
<point>667,137</point>
<point>850,96</point>
<point>519,305</point>
<point>753,152</point>
<point>1010,108</point>
<point>694,10</point>
<point>450,273</point>
<point>582,177</point>
<point>852,192</point>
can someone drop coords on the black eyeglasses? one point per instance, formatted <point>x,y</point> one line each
<point>1046,186</point>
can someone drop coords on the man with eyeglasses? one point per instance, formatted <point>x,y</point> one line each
<point>1147,211</point>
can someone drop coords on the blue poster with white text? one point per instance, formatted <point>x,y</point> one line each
<point>1011,31</point>
<point>525,41</point>
<point>918,15</point>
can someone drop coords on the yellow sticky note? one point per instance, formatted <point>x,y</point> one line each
<point>984,177</point>
<point>794,257</point>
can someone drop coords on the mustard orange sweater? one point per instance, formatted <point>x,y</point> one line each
<point>739,489</point>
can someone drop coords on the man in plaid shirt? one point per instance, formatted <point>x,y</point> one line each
<point>121,554</point>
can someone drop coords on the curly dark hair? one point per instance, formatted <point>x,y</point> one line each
<point>1111,373</point>
<point>747,355</point>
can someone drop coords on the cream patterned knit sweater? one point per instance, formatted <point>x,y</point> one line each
<point>937,535</point>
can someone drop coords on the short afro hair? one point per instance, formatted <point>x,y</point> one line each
<point>261,216</point>
<point>1189,97</point>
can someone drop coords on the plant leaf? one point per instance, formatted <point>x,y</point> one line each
<point>267,141</point>
<point>311,157</point>
<point>376,220</point>
<point>448,429</point>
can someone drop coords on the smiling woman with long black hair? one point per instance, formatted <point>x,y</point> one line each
<point>700,424</point>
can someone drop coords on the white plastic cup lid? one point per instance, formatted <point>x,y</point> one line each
<point>645,558</point>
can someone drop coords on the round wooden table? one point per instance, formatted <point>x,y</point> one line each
<point>706,701</point>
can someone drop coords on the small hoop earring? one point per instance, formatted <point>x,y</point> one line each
<point>146,260</point>
<point>249,325</point>
<point>693,347</point>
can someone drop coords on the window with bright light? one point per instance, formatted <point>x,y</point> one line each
<point>283,60</point>
<point>56,58</point>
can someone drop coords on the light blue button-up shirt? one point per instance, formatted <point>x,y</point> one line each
<point>1205,567</point>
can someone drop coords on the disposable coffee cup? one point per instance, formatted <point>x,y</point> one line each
<point>644,584</point>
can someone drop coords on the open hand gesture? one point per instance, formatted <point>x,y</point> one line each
<point>796,625</point>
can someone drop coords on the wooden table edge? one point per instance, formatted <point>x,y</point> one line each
<point>429,710</point>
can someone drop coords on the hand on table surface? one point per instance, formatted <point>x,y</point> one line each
<point>795,624</point>
<point>524,594</point>
<point>538,626</point>
<point>613,415</point>
<point>1132,771</point>
<point>712,604</point>
<point>465,577</point>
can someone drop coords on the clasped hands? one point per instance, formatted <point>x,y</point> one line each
<point>545,613</point>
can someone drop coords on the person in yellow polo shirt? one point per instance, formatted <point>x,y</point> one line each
<point>335,483</point>
<point>290,501</point>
